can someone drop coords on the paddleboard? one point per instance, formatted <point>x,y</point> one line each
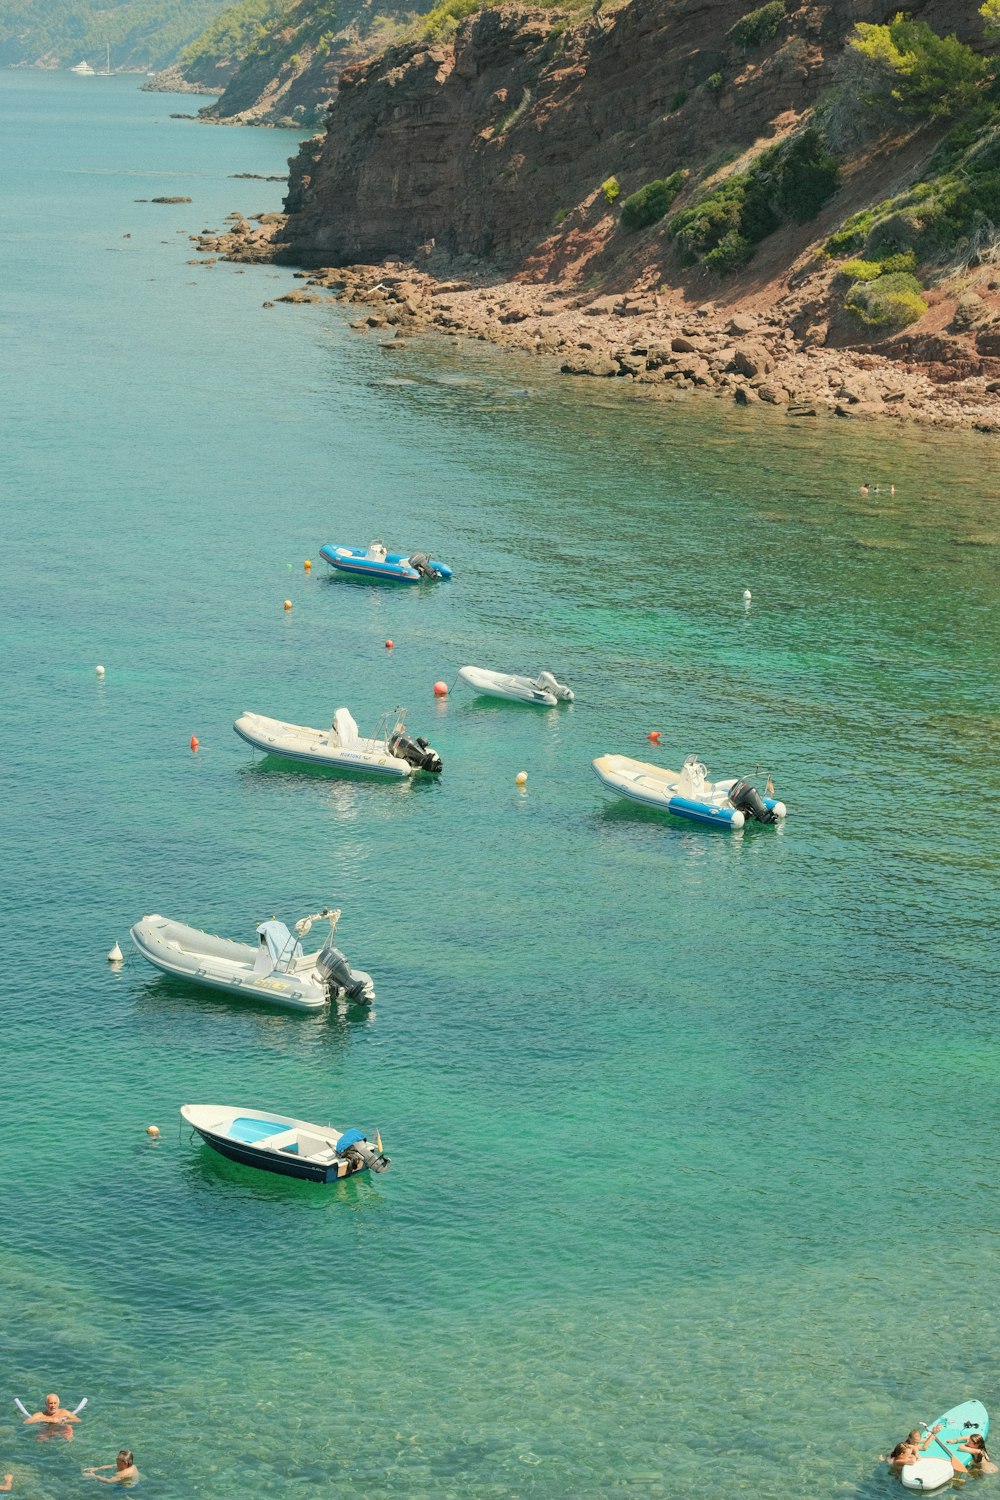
<point>933,1470</point>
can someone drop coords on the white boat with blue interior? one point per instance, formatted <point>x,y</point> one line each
<point>282,1144</point>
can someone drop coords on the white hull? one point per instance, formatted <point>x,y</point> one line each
<point>683,793</point>
<point>221,964</point>
<point>282,1144</point>
<point>543,691</point>
<point>321,747</point>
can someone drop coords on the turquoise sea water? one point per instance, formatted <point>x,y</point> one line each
<point>693,1135</point>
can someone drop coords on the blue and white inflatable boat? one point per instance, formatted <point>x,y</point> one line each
<point>688,793</point>
<point>374,561</point>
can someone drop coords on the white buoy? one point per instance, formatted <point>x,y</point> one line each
<point>747,596</point>
<point>115,956</point>
<point>100,671</point>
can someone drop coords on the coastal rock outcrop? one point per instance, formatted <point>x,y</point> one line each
<point>497,143</point>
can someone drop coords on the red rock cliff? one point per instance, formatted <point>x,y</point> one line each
<point>486,143</point>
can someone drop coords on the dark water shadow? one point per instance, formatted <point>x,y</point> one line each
<point>167,993</point>
<point>204,1169</point>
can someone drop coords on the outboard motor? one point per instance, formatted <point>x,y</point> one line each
<point>748,801</point>
<point>548,684</point>
<point>375,1161</point>
<point>422,563</point>
<point>416,753</point>
<point>335,969</point>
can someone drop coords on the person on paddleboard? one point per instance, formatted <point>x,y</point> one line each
<point>909,1450</point>
<point>975,1445</point>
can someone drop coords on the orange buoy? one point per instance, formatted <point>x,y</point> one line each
<point>389,645</point>
<point>654,735</point>
<point>307,565</point>
<point>440,690</point>
<point>194,742</point>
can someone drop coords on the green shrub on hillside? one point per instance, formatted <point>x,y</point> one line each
<point>760,25</point>
<point>888,304</point>
<point>929,75</point>
<point>611,188</point>
<point>789,181</point>
<point>650,203</point>
<point>442,21</point>
<point>230,37</point>
<point>700,228</point>
<point>714,83</point>
<point>990,12</point>
<point>871,270</point>
<point>731,253</point>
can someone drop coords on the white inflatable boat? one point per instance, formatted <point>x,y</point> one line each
<point>275,971</point>
<point>341,747</point>
<point>688,793</point>
<point>542,690</point>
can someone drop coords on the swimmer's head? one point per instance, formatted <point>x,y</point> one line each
<point>52,1403</point>
<point>125,1459</point>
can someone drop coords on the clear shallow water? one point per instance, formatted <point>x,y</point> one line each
<point>693,1135</point>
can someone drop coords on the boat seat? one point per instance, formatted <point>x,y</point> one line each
<point>285,1140</point>
<point>345,728</point>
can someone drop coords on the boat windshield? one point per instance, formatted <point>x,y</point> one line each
<point>282,947</point>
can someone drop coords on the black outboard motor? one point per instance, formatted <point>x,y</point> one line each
<point>422,563</point>
<point>416,752</point>
<point>364,1151</point>
<point>337,971</point>
<point>748,801</point>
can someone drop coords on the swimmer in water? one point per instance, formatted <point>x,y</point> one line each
<point>54,1416</point>
<point>976,1446</point>
<point>124,1467</point>
<point>8,1480</point>
<point>53,1413</point>
<point>909,1450</point>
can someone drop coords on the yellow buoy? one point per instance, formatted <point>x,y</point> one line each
<point>307,565</point>
<point>288,603</point>
<point>153,1130</point>
<point>521,778</point>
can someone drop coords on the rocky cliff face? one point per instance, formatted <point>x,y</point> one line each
<point>495,144</point>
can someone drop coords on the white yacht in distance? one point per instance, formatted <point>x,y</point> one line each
<point>82,67</point>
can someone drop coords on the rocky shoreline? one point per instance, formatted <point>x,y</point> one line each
<point>653,339</point>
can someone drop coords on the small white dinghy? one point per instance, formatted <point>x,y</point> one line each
<point>542,690</point>
<point>276,971</point>
<point>688,793</point>
<point>341,747</point>
<point>279,1143</point>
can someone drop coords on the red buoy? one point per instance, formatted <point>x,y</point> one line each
<point>194,742</point>
<point>440,690</point>
<point>654,735</point>
<point>389,645</point>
